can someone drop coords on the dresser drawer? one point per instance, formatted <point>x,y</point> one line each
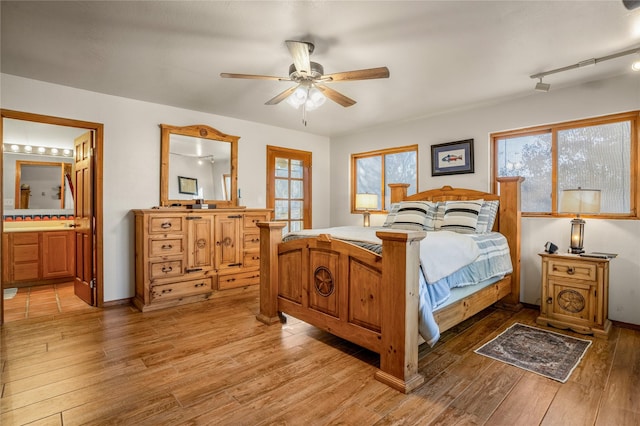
<point>251,241</point>
<point>251,258</point>
<point>251,220</point>
<point>238,279</point>
<point>586,271</point>
<point>165,247</point>
<point>166,269</point>
<point>159,225</point>
<point>180,289</point>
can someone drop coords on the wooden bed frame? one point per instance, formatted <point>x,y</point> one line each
<point>372,300</point>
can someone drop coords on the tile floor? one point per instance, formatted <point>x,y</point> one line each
<point>42,301</point>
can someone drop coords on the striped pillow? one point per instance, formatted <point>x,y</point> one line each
<point>461,216</point>
<point>487,216</point>
<point>439,216</point>
<point>413,215</point>
<point>391,215</point>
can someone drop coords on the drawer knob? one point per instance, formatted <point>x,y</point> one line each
<point>571,270</point>
<point>167,270</point>
<point>166,225</point>
<point>549,300</point>
<point>199,285</point>
<point>167,246</point>
<point>166,290</point>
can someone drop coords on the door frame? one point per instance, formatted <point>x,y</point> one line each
<point>98,129</point>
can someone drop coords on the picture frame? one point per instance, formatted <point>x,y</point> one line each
<point>452,158</point>
<point>187,185</point>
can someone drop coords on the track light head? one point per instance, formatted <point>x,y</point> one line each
<point>542,87</point>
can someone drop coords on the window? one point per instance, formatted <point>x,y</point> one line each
<point>599,153</point>
<point>373,171</point>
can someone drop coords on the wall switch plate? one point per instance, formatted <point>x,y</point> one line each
<point>8,202</point>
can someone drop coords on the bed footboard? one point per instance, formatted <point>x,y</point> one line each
<point>365,298</point>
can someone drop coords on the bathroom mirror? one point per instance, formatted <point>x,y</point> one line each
<point>198,162</point>
<point>43,185</point>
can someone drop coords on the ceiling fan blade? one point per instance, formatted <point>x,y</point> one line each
<point>253,76</point>
<point>336,96</point>
<point>366,74</point>
<point>281,96</point>
<point>300,52</point>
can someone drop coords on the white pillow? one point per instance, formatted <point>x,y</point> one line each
<point>461,216</point>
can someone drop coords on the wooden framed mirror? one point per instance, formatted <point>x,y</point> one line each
<point>198,162</point>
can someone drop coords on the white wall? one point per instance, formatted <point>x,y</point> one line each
<point>594,99</point>
<point>132,159</point>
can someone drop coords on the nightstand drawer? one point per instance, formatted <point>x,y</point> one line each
<point>576,270</point>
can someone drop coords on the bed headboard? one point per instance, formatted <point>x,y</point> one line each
<point>507,221</point>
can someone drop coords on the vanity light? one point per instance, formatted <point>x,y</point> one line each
<point>41,150</point>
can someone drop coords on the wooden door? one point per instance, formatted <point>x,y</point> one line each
<point>84,282</point>
<point>289,187</point>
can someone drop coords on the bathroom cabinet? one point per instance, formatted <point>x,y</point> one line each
<point>35,257</point>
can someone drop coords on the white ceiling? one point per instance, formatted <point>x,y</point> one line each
<point>442,55</point>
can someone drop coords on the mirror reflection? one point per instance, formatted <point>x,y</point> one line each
<point>197,168</point>
<point>37,157</point>
<point>198,163</point>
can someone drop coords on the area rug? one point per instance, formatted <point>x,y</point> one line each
<point>543,352</point>
<point>9,293</point>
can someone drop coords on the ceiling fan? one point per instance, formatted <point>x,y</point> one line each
<point>311,91</point>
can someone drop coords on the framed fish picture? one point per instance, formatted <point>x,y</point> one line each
<point>452,158</point>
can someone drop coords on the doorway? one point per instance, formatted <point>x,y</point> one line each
<point>94,191</point>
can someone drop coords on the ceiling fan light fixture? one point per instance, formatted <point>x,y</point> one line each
<point>298,97</point>
<point>315,99</point>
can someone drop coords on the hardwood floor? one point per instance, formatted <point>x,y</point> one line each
<point>214,363</point>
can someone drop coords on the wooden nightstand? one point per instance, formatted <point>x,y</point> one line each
<point>575,293</point>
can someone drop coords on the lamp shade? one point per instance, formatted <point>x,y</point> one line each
<point>366,201</point>
<point>580,201</point>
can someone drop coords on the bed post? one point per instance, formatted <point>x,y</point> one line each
<point>399,310</point>
<point>270,237</point>
<point>509,222</point>
<point>398,191</point>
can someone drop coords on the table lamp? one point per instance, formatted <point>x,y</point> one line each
<point>579,201</point>
<point>366,202</point>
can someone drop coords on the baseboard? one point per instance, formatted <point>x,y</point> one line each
<point>118,302</point>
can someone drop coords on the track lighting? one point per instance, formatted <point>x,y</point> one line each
<point>582,64</point>
<point>542,87</point>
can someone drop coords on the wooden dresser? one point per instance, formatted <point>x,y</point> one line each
<point>183,255</point>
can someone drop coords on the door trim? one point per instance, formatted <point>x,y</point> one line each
<point>98,129</point>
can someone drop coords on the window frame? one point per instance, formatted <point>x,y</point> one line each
<point>634,191</point>
<point>384,190</point>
